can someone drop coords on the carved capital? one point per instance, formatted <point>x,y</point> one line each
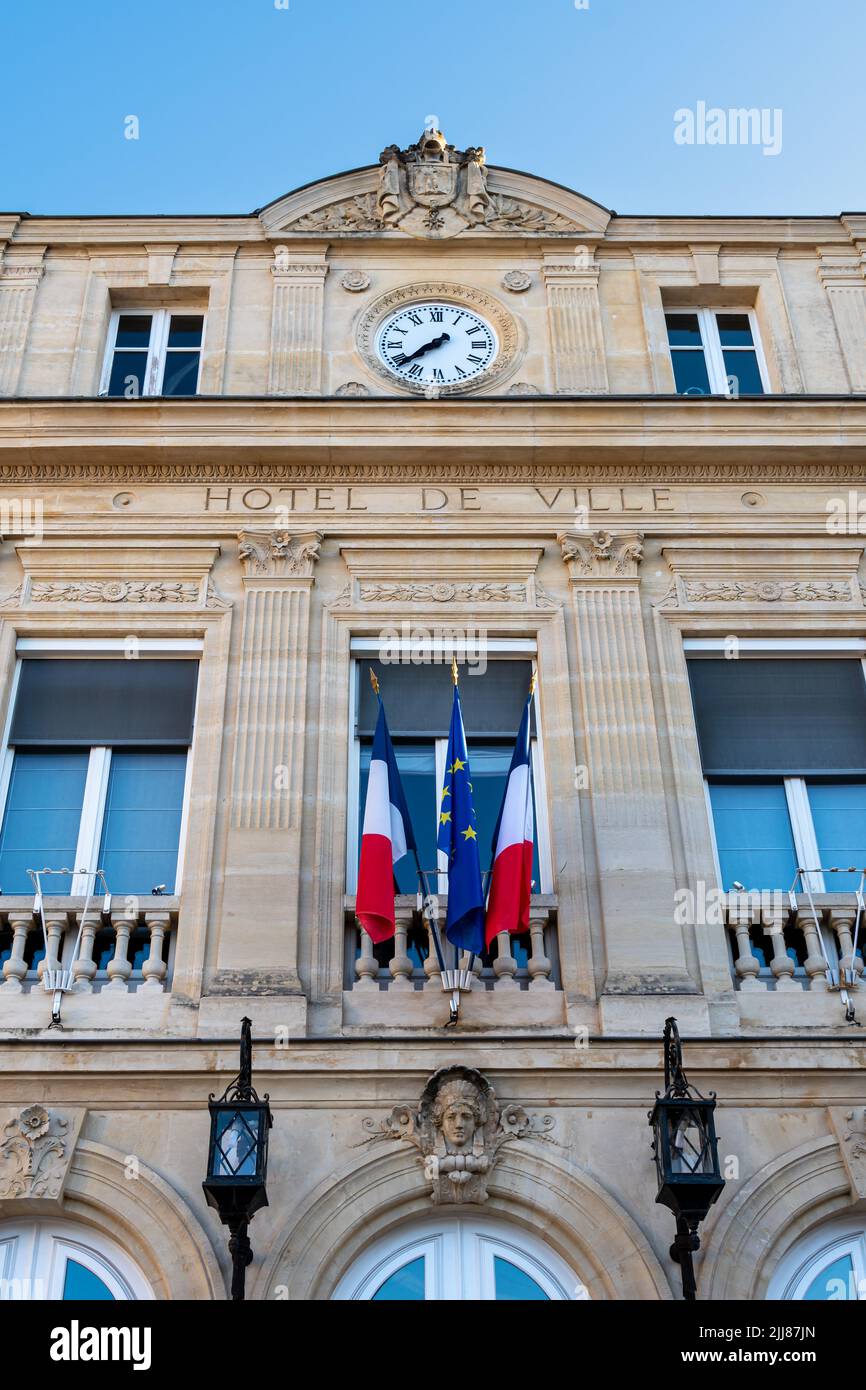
<point>602,555</point>
<point>278,555</point>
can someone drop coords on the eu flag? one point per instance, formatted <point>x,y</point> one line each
<point>464,924</point>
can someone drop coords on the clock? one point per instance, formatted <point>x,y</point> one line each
<point>433,343</point>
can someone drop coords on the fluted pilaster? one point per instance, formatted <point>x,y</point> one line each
<point>296,324</point>
<point>574,315</point>
<point>844,278</point>
<point>17,295</point>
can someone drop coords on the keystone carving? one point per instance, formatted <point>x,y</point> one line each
<point>458,1131</point>
<point>33,1154</point>
<point>278,555</point>
<point>602,555</point>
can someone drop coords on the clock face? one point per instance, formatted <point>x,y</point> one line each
<point>435,344</point>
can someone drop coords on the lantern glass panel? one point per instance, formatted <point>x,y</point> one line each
<point>689,1147</point>
<point>236,1147</point>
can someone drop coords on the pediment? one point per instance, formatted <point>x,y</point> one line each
<point>454,195</point>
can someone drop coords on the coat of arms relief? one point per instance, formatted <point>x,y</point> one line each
<point>432,190</point>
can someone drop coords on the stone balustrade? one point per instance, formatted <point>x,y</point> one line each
<point>778,943</point>
<point>408,962</point>
<point>128,949</point>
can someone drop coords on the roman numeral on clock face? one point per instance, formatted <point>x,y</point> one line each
<point>480,343</point>
<point>436,315</point>
<point>416,319</point>
<point>415,370</point>
<point>473,357</point>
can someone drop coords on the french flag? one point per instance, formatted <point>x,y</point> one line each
<point>387,835</point>
<point>511,879</point>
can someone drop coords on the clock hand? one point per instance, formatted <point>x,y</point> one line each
<point>419,352</point>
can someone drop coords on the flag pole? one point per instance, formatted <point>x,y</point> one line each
<point>422,877</point>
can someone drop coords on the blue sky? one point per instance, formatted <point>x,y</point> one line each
<point>239,101</point>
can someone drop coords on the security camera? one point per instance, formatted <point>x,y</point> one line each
<point>740,887</point>
<point>158,890</point>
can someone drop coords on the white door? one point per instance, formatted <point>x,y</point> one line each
<point>65,1261</point>
<point>460,1258</point>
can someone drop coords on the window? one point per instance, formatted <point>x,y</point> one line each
<point>460,1259</point>
<point>715,352</point>
<point>152,352</point>
<point>95,772</point>
<point>783,748</point>
<point>829,1265</point>
<point>418,704</point>
<point>66,1261</point>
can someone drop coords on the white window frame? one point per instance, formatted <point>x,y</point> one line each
<point>458,1261</point>
<point>157,350</point>
<point>712,346</point>
<point>91,824</point>
<point>37,1253</point>
<point>812,1254</point>
<point>369,648</point>
<point>796,788</point>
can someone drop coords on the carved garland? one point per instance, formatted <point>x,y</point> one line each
<point>505,325</point>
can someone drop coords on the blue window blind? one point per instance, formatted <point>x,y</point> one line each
<point>141,825</point>
<point>43,813</point>
<point>839,817</point>
<point>753,835</point>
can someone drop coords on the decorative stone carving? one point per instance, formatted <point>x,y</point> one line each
<point>33,1154</point>
<point>517,281</point>
<point>432,189</point>
<point>574,313</point>
<point>114,591</point>
<point>543,599</point>
<point>513,215</point>
<point>850,1130</point>
<point>768,591</point>
<point>443,593</point>
<point>602,555</point>
<point>523,388</point>
<point>277,554</point>
<point>352,388</point>
<point>458,1130</point>
<point>358,214</point>
<point>485,304</point>
<point>355,281</point>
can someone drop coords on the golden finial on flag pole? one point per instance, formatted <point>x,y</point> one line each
<point>533,681</point>
<point>374,681</point>
<point>454,669</point>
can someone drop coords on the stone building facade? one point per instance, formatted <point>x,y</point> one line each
<point>216,460</point>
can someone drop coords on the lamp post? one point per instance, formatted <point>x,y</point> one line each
<point>237,1161</point>
<point>686,1155</point>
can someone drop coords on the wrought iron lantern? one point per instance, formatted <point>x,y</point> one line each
<point>685,1148</point>
<point>237,1164</point>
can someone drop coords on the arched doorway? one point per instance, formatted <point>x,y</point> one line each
<point>827,1265</point>
<point>65,1260</point>
<point>466,1258</point>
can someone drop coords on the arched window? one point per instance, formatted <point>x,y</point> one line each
<point>466,1258</point>
<point>67,1261</point>
<point>828,1265</point>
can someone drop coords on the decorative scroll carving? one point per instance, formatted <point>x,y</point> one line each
<point>514,215</point>
<point>443,593</point>
<point>602,555</point>
<point>850,1130</point>
<point>278,554</point>
<point>768,591</point>
<point>517,281</point>
<point>543,599</point>
<point>523,388</point>
<point>458,1130</point>
<point>115,591</point>
<point>33,1154</point>
<point>356,214</point>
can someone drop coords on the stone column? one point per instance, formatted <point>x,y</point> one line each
<point>574,316</point>
<point>296,324</point>
<point>18,281</point>
<point>844,278</point>
<point>258,950</point>
<point>643,942</point>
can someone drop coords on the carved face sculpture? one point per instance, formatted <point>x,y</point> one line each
<point>459,1123</point>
